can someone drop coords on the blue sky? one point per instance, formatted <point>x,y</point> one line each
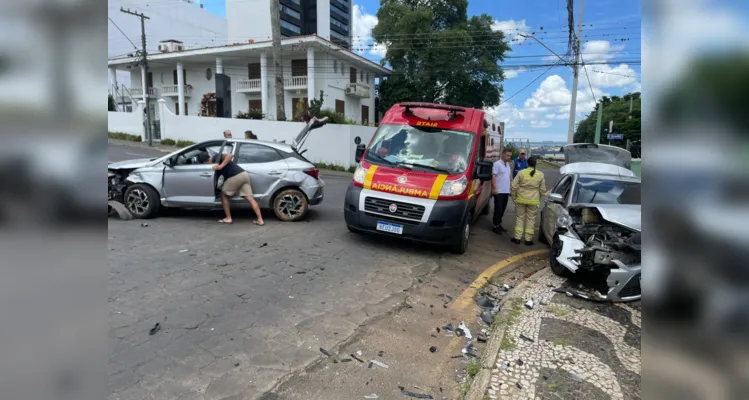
<point>539,106</point>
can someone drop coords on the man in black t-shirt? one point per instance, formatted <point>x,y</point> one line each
<point>236,181</point>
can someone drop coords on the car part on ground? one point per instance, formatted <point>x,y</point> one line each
<point>607,247</point>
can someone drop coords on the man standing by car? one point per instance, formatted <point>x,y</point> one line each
<point>227,134</point>
<point>520,164</point>
<point>236,180</point>
<point>501,172</point>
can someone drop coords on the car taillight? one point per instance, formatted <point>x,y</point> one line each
<point>313,172</point>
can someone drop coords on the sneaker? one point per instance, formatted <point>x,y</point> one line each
<point>529,243</point>
<point>516,241</point>
<point>498,230</point>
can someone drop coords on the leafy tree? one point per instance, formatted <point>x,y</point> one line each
<point>617,109</point>
<point>315,105</point>
<point>112,106</point>
<point>438,54</point>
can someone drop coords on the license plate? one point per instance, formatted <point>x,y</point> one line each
<point>390,228</point>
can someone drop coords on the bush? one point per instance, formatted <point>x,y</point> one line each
<point>333,117</point>
<point>335,167</point>
<point>250,114</point>
<point>184,143</point>
<point>168,142</point>
<point>124,136</point>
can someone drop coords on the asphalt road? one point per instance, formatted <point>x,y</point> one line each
<point>242,307</point>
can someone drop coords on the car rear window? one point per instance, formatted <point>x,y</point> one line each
<point>293,154</point>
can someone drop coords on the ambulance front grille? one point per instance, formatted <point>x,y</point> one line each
<point>403,210</point>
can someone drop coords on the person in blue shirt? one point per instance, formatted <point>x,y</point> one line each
<point>520,164</point>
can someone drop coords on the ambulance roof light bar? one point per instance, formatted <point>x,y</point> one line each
<point>453,110</point>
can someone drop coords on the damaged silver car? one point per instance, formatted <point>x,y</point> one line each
<point>282,179</point>
<point>591,219</point>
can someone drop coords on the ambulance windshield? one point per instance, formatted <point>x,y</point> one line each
<point>414,147</point>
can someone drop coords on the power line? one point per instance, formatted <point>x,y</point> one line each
<point>585,68</point>
<point>612,73</point>
<point>123,33</point>
<point>531,82</point>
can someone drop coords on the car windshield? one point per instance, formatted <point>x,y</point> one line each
<point>404,146</point>
<point>606,191</point>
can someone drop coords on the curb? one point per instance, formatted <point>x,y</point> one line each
<point>481,381</point>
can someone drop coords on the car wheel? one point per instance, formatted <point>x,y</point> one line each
<point>290,205</point>
<point>541,233</point>
<point>556,250</point>
<point>461,245</point>
<point>142,201</point>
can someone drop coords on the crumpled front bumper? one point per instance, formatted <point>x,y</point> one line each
<point>623,281</point>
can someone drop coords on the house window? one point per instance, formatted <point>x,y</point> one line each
<point>290,26</point>
<point>176,108</point>
<point>340,107</point>
<point>253,71</point>
<point>335,66</point>
<point>288,11</point>
<point>343,67</point>
<point>184,76</point>
<point>352,77</point>
<point>361,76</point>
<point>299,67</point>
<point>255,105</point>
<point>301,108</point>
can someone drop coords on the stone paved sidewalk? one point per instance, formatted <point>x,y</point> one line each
<point>579,349</point>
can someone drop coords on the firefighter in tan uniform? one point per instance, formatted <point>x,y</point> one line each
<point>527,189</point>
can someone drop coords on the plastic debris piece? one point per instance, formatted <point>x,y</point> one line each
<point>415,395</point>
<point>372,396</point>
<point>433,349</point>
<point>379,364</point>
<point>144,225</point>
<point>370,365</point>
<point>359,353</point>
<point>448,326</point>
<point>526,338</point>
<point>518,385</point>
<point>155,329</point>
<point>465,330</point>
<point>438,329</point>
<point>506,287</point>
<point>519,362</point>
<point>484,302</point>
<point>324,352</point>
<point>529,304</point>
<point>481,337</point>
<point>356,358</point>
<point>487,317</point>
<point>263,245</point>
<point>459,332</point>
<point>183,251</point>
<point>504,366</point>
<point>345,360</point>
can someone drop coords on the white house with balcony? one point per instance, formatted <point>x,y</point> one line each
<point>183,78</point>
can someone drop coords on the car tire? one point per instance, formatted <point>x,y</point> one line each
<point>541,233</point>
<point>290,205</point>
<point>461,244</point>
<point>142,201</point>
<point>556,249</point>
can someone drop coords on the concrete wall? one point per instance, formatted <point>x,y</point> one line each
<point>127,122</point>
<point>332,144</point>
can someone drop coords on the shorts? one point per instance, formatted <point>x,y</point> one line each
<point>238,185</point>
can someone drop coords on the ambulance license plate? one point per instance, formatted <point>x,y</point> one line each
<point>390,228</point>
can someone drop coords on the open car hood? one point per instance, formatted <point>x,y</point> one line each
<point>597,153</point>
<point>131,164</point>
<point>626,215</point>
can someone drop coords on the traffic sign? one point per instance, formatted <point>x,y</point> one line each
<point>615,136</point>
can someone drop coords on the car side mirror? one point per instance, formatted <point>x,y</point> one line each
<point>483,171</point>
<point>360,148</point>
<point>169,162</point>
<point>556,198</point>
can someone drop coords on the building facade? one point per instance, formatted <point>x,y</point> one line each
<point>328,19</point>
<point>186,79</point>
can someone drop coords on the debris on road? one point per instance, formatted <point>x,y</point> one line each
<point>183,251</point>
<point>459,332</point>
<point>372,396</point>
<point>465,281</point>
<point>433,349</point>
<point>526,338</point>
<point>413,394</point>
<point>438,329</point>
<point>155,329</point>
<point>506,287</point>
<point>487,317</point>
<point>504,366</point>
<point>359,353</point>
<point>144,225</point>
<point>345,360</point>
<point>379,364</point>
<point>529,304</point>
<point>484,302</point>
<point>482,338</point>
<point>519,362</point>
<point>465,330</point>
<point>324,352</point>
<point>518,385</point>
<point>262,245</point>
<point>356,358</point>
<point>448,327</point>
<point>469,350</point>
<point>121,210</point>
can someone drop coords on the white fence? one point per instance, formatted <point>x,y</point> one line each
<point>332,144</point>
<point>127,122</point>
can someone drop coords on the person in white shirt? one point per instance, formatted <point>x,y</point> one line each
<point>502,175</point>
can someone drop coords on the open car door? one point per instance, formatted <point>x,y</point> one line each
<point>313,124</point>
<point>597,153</point>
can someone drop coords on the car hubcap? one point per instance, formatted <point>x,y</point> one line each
<point>137,201</point>
<point>290,205</point>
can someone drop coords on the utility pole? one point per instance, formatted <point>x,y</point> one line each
<point>275,23</point>
<point>598,123</point>
<point>144,67</point>
<point>576,70</point>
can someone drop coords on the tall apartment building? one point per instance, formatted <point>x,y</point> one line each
<point>329,19</point>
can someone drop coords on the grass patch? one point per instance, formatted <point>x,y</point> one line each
<point>184,143</point>
<point>547,164</point>
<point>514,310</point>
<point>124,136</point>
<point>473,368</point>
<point>335,167</point>
<point>559,311</point>
<point>168,142</point>
<point>563,341</point>
<point>555,387</point>
<point>508,343</point>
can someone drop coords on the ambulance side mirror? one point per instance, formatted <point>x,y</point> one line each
<point>483,171</point>
<point>360,148</point>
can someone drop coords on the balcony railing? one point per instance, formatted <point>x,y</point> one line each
<point>295,82</point>
<point>137,92</point>
<point>173,90</point>
<point>249,86</point>
<point>358,90</point>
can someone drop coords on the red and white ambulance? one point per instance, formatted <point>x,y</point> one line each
<point>425,175</point>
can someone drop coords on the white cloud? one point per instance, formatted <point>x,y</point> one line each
<point>600,51</point>
<point>512,29</point>
<point>540,124</point>
<point>513,73</point>
<point>361,39</point>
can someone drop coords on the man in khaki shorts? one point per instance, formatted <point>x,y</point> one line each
<point>236,181</point>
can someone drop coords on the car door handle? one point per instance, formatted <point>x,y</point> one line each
<point>206,174</point>
<point>275,173</point>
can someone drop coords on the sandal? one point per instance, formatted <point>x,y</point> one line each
<point>258,223</point>
<point>221,221</point>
